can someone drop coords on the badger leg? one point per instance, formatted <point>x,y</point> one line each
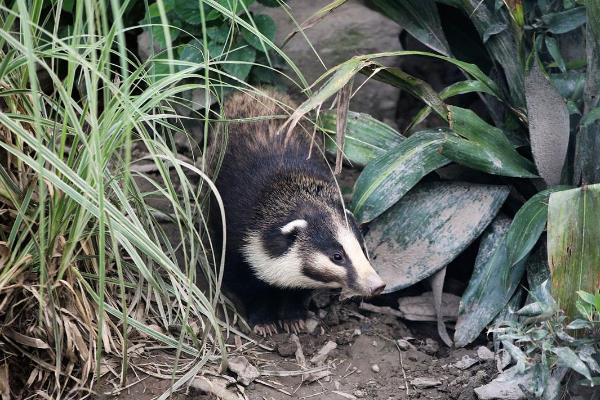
<point>293,310</point>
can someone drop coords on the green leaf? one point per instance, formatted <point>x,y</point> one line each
<point>573,237</point>
<point>591,117</point>
<point>565,21</point>
<point>420,18</point>
<point>493,29</point>
<point>455,89</point>
<point>266,26</point>
<point>387,178</point>
<point>554,50</point>
<point>492,284</point>
<point>569,84</point>
<point>415,86</point>
<point>568,358</point>
<point>483,147</point>
<point>587,297</point>
<point>548,119</point>
<point>239,62</point>
<point>272,3</point>
<point>189,12</point>
<point>528,224</point>
<point>579,324</point>
<point>428,228</point>
<point>366,137</point>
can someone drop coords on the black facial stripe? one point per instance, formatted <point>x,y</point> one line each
<point>276,243</point>
<point>352,275</point>
<point>320,275</point>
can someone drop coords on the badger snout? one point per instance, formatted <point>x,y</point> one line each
<point>374,285</point>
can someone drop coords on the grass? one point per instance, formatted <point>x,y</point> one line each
<point>87,270</point>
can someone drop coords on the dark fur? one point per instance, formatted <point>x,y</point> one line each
<point>266,180</point>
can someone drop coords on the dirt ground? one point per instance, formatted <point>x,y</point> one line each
<point>375,357</point>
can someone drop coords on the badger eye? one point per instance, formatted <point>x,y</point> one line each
<point>337,256</point>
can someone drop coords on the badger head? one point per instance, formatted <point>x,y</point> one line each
<point>316,246</point>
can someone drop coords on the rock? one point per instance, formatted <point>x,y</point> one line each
<point>420,308</point>
<point>322,354</point>
<point>311,324</point>
<point>321,298</point>
<point>424,383</point>
<point>357,332</point>
<point>375,368</point>
<point>404,344</point>
<point>351,29</point>
<point>465,362</point>
<point>485,354</point>
<point>360,393</point>
<point>504,387</point>
<point>286,349</point>
<point>246,372</point>
<point>502,360</point>
<point>431,346</point>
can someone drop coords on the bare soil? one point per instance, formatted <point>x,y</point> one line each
<point>369,362</point>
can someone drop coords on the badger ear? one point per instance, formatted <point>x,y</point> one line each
<point>293,226</point>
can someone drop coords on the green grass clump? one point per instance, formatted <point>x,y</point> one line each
<point>87,270</point>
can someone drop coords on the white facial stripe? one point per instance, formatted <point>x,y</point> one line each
<point>284,271</point>
<point>324,264</point>
<point>351,246</point>
<point>291,226</point>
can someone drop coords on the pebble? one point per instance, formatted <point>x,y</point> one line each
<point>360,393</point>
<point>431,346</point>
<point>404,344</point>
<point>375,368</point>
<point>374,343</point>
<point>357,332</point>
<point>465,362</point>
<point>311,325</point>
<point>424,383</point>
<point>485,354</point>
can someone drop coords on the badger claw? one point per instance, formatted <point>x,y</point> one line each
<point>265,330</point>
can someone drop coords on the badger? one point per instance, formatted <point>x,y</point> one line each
<point>288,232</point>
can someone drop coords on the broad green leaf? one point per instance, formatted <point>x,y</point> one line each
<point>493,29</point>
<point>483,146</point>
<point>554,50</point>
<point>548,119</point>
<point>591,117</point>
<point>239,62</point>
<point>189,12</point>
<point>564,21</point>
<point>528,224</point>
<point>502,46</point>
<point>387,178</point>
<point>455,89</point>
<point>573,237</point>
<point>415,86</point>
<point>569,84</point>
<point>492,284</point>
<point>420,18</point>
<point>428,228</point>
<point>266,26</point>
<point>568,358</point>
<point>366,137</point>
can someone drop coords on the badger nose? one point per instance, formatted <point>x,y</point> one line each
<point>375,285</point>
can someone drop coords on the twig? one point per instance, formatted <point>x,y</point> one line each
<point>267,384</point>
<point>381,310</point>
<point>402,367</point>
<point>294,373</point>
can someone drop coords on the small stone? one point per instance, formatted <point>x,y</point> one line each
<point>311,324</point>
<point>431,346</point>
<point>336,385</point>
<point>357,332</point>
<point>404,344</point>
<point>286,349</point>
<point>485,354</point>
<point>465,363</point>
<point>322,313</point>
<point>375,368</point>
<point>424,383</point>
<point>245,371</point>
<point>374,343</point>
<point>360,393</point>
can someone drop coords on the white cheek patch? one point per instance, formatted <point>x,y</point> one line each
<point>325,267</point>
<point>284,271</point>
<point>293,225</point>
